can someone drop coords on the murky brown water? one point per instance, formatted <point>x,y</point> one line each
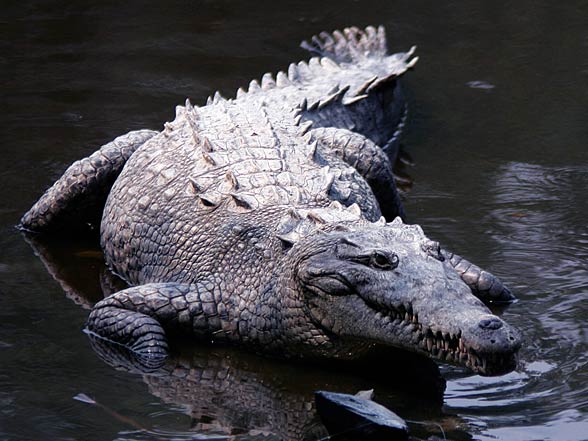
<point>498,133</point>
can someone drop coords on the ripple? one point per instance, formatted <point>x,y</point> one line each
<point>471,393</point>
<point>568,425</point>
<point>480,84</point>
<point>537,218</point>
<point>551,382</point>
<point>142,435</point>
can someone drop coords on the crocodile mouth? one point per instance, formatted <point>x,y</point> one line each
<point>444,346</point>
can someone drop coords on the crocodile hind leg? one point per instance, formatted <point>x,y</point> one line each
<point>368,159</point>
<point>76,200</point>
<point>139,317</point>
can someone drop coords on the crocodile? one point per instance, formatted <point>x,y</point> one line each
<point>231,391</point>
<point>272,220</point>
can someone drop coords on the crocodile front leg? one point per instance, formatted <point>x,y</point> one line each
<point>484,285</point>
<point>368,159</point>
<point>139,317</point>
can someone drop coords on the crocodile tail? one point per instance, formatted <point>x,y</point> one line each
<point>76,200</point>
<point>349,45</point>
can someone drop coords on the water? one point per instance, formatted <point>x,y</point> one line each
<point>498,134</point>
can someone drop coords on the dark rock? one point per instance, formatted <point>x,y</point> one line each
<point>352,417</point>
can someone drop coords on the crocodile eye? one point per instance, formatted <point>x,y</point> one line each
<point>384,261</point>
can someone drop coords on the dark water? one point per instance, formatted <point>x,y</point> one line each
<point>498,134</point>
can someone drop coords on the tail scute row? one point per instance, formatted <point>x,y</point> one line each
<point>349,45</point>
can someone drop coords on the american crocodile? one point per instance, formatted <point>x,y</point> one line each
<point>258,221</point>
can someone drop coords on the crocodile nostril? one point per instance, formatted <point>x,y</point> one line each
<point>490,323</point>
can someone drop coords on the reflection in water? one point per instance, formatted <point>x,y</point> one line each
<point>539,216</point>
<point>227,393</point>
<point>539,221</point>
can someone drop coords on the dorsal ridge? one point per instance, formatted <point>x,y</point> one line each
<point>349,45</point>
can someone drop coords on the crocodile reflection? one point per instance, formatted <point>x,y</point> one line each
<point>226,391</point>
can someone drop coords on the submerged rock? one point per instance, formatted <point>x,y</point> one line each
<point>353,417</point>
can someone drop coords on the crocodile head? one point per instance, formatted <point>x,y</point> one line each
<point>390,285</point>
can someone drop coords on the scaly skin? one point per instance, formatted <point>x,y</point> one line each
<point>257,221</point>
